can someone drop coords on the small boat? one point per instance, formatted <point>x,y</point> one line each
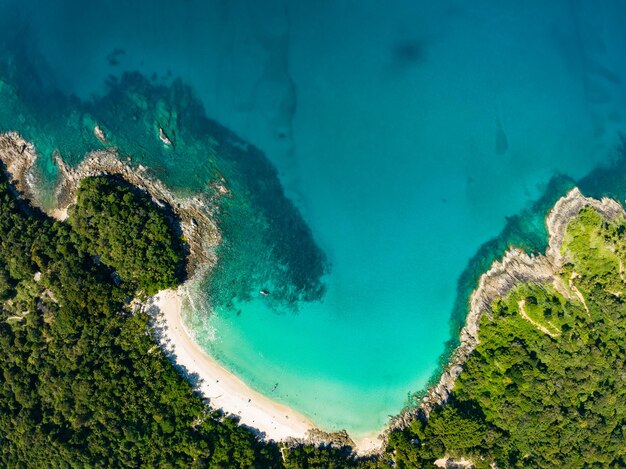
<point>264,292</point>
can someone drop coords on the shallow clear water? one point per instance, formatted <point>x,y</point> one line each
<point>403,134</point>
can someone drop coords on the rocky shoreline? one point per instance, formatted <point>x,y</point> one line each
<point>516,267</point>
<point>196,214</point>
<point>19,156</point>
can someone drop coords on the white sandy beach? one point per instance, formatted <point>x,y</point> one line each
<point>227,392</point>
<point>224,389</point>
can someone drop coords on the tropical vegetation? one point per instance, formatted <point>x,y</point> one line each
<point>546,385</point>
<point>128,232</point>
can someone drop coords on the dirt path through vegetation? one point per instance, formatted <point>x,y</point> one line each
<point>577,292</point>
<point>522,311</point>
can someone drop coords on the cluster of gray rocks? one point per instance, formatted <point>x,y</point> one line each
<point>196,214</point>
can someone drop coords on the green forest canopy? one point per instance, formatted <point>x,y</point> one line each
<point>128,232</point>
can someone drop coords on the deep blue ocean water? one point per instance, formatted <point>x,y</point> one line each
<point>380,156</point>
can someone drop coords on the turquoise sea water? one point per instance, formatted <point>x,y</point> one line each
<point>379,157</point>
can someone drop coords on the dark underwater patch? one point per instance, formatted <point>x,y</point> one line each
<point>266,242</point>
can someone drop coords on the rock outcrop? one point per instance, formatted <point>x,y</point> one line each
<point>515,268</point>
<point>320,437</point>
<point>569,207</point>
<point>194,213</point>
<point>19,156</point>
<point>99,133</point>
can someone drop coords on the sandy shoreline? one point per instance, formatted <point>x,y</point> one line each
<point>276,421</point>
<point>226,391</point>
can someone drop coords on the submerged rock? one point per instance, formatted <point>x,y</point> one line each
<point>502,143</point>
<point>99,133</point>
<point>164,138</point>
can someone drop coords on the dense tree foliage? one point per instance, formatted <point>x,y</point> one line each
<point>546,386</point>
<point>81,381</point>
<point>128,232</point>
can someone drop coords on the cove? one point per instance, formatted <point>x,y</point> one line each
<point>403,136</point>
